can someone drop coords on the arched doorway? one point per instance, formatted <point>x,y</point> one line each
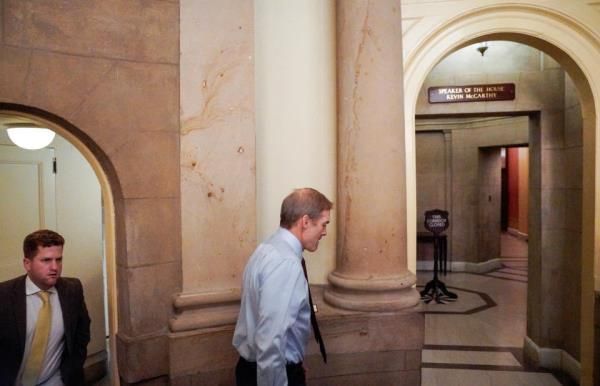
<point>77,149</point>
<point>568,40</point>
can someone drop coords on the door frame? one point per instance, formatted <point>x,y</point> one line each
<point>108,185</point>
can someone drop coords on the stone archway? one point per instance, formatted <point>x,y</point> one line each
<point>571,40</point>
<point>109,189</point>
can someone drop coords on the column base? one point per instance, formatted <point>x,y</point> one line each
<point>366,348</point>
<point>202,357</point>
<point>362,349</point>
<point>135,353</point>
<point>392,293</point>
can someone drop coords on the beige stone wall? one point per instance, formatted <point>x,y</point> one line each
<point>218,189</point>
<point>432,190</point>
<point>431,174</point>
<point>538,79</point>
<point>217,143</point>
<point>474,233</point>
<point>107,71</point>
<point>555,242</point>
<point>571,264</point>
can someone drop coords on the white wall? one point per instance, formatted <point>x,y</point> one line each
<point>79,220</point>
<point>295,112</point>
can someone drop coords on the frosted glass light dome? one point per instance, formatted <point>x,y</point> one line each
<point>30,138</point>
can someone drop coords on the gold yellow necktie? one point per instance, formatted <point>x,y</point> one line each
<point>39,344</point>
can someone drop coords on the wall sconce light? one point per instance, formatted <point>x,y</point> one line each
<point>28,136</point>
<point>482,48</point>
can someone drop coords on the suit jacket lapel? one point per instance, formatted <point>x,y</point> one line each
<point>20,308</point>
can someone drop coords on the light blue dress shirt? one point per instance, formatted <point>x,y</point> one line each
<point>273,326</point>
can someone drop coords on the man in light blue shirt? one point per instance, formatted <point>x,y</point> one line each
<point>273,326</point>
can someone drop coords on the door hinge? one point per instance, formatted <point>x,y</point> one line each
<point>54,165</point>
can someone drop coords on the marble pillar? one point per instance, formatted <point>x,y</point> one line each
<point>371,269</point>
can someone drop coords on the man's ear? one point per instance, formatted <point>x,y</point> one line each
<point>305,221</point>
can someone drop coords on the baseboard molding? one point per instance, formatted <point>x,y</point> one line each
<point>362,351</point>
<point>552,358</point>
<point>464,266</point>
<point>426,265</point>
<point>95,367</point>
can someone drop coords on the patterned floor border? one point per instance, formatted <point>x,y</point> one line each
<point>487,299</point>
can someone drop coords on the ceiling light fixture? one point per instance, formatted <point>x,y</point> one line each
<point>482,48</point>
<point>30,137</point>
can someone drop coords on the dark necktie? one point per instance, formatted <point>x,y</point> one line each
<point>313,318</point>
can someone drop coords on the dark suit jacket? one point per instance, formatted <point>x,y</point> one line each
<point>13,324</point>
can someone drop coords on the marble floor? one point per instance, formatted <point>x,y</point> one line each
<point>478,339</point>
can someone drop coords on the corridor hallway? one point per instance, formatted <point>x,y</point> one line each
<point>478,339</point>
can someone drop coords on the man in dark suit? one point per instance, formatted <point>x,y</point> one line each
<point>44,323</point>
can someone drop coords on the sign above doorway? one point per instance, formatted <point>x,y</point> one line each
<point>472,93</point>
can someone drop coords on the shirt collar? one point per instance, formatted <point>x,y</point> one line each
<point>31,288</point>
<point>292,240</point>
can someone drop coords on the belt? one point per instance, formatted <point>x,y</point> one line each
<point>253,364</point>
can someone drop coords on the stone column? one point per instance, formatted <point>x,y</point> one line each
<point>371,270</point>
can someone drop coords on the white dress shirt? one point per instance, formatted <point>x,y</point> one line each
<point>273,326</point>
<point>50,374</point>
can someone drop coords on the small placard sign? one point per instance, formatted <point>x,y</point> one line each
<point>472,93</point>
<point>436,221</point>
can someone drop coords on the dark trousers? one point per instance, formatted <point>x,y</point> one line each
<point>245,373</point>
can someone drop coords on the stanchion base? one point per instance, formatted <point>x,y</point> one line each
<point>436,290</point>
